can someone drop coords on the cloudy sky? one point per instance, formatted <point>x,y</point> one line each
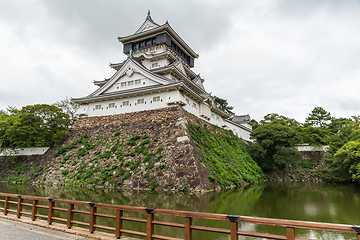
<point>264,56</point>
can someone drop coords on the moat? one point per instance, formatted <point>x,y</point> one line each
<point>319,202</point>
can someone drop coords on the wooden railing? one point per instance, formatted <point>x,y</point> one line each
<point>188,216</point>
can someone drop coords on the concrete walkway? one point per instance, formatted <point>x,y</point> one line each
<point>13,228</point>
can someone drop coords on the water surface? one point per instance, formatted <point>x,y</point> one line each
<point>316,202</point>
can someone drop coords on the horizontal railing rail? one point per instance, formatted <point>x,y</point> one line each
<point>150,222</point>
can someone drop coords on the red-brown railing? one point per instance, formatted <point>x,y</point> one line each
<point>188,216</point>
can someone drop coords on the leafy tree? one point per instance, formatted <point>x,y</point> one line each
<point>318,117</point>
<point>223,105</point>
<point>69,108</point>
<point>315,136</point>
<point>347,161</point>
<point>275,146</point>
<point>33,125</point>
<point>338,123</point>
<point>276,118</point>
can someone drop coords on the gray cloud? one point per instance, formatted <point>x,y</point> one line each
<point>263,56</point>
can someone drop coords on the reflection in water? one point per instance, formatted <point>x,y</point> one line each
<point>296,201</point>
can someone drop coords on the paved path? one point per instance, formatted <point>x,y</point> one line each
<point>13,230</point>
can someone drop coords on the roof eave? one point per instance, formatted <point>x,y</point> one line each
<point>152,32</point>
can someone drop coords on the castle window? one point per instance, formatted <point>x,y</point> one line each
<point>137,81</point>
<point>125,103</point>
<point>154,64</point>
<point>194,105</point>
<point>130,83</point>
<point>111,105</point>
<point>187,101</point>
<point>136,46</point>
<point>123,84</point>
<point>140,101</point>
<point>97,107</point>
<point>156,99</point>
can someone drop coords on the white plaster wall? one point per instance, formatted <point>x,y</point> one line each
<point>125,78</point>
<point>166,99</point>
<point>161,63</point>
<point>240,132</point>
<point>307,148</point>
<point>133,106</point>
<point>24,151</point>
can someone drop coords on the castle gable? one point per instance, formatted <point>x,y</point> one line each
<point>130,76</point>
<point>147,25</point>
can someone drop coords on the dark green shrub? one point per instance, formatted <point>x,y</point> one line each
<point>64,171</point>
<point>81,152</point>
<point>153,184</point>
<point>162,166</point>
<point>106,155</point>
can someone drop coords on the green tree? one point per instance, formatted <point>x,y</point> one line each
<point>33,125</point>
<point>223,105</point>
<point>315,136</point>
<point>347,161</point>
<point>69,108</point>
<point>276,118</point>
<point>275,146</point>
<point>318,117</point>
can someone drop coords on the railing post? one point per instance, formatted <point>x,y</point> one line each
<point>150,225</point>
<point>51,211</point>
<point>188,232</point>
<point>233,230</point>
<point>92,217</point>
<point>70,215</point>
<point>34,210</point>
<point>6,205</point>
<point>290,233</point>
<point>119,223</point>
<point>233,226</point>
<point>19,206</point>
<point>357,229</point>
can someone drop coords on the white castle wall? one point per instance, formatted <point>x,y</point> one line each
<point>24,151</point>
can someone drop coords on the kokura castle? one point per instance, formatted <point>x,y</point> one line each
<point>158,74</point>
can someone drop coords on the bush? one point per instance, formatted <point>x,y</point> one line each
<point>153,184</point>
<point>162,166</point>
<point>106,155</point>
<point>64,171</point>
<point>81,152</point>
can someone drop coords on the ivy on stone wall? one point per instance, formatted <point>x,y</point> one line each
<point>225,156</point>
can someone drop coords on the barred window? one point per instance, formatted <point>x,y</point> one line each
<point>140,101</point>
<point>125,103</point>
<point>130,83</point>
<point>111,105</point>
<point>156,99</point>
<point>137,81</point>
<point>97,107</point>
<point>123,84</point>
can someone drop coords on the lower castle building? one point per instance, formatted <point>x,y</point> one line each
<point>157,74</point>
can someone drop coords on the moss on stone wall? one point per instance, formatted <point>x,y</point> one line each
<point>164,149</point>
<point>225,156</point>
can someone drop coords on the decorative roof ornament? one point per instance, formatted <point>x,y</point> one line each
<point>148,13</point>
<point>131,52</point>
